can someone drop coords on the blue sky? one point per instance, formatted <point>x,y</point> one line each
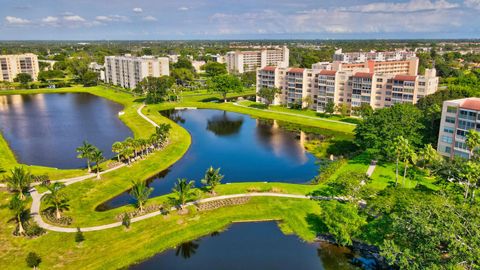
<point>237,19</point>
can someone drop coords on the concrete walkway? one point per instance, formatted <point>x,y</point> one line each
<point>38,218</point>
<point>296,115</point>
<point>371,168</point>
<point>139,111</point>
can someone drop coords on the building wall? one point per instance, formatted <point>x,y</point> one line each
<point>12,65</point>
<point>245,61</point>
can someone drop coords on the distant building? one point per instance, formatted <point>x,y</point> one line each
<point>217,58</point>
<point>378,84</point>
<point>361,57</point>
<point>14,64</point>
<point>99,69</point>
<point>49,64</point>
<point>127,71</point>
<point>197,66</point>
<point>173,58</point>
<point>245,61</point>
<point>458,117</point>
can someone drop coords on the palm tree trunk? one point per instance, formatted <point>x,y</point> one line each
<point>98,172</point>
<point>473,197</point>
<point>118,156</point>
<point>21,231</point>
<point>21,196</point>
<point>57,212</point>
<point>405,172</point>
<point>396,173</point>
<point>88,165</point>
<point>466,190</point>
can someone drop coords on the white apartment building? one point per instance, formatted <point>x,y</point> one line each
<point>127,71</point>
<point>458,117</point>
<point>361,57</point>
<point>99,69</point>
<point>351,86</point>
<point>245,61</point>
<point>14,64</point>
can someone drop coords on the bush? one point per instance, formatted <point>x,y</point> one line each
<point>33,230</point>
<point>126,220</point>
<point>342,220</point>
<point>33,260</point>
<point>327,169</point>
<point>79,236</point>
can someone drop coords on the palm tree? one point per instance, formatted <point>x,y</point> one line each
<point>130,143</point>
<point>56,198</point>
<point>408,155</point>
<point>429,156</point>
<point>395,150</point>
<point>140,192</point>
<point>17,206</point>
<point>85,152</point>
<point>183,190</point>
<point>127,153</point>
<point>472,141</point>
<point>97,157</point>
<point>212,178</point>
<point>162,132</point>
<point>19,181</point>
<point>118,147</point>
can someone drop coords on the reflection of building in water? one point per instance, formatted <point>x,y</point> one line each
<point>224,125</point>
<point>3,103</point>
<point>282,142</point>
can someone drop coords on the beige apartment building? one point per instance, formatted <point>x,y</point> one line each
<point>379,84</point>
<point>458,117</point>
<point>14,64</point>
<point>127,71</point>
<point>245,61</point>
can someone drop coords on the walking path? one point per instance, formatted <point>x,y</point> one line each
<point>371,168</point>
<point>38,218</point>
<point>295,114</point>
<point>139,111</point>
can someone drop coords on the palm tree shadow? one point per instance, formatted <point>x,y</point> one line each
<point>187,249</point>
<point>316,224</point>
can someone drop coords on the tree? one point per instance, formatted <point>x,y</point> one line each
<point>472,141</point>
<point>343,109</point>
<point>89,78</point>
<point>155,88</point>
<point>126,221</point>
<point>79,236</point>
<point>23,78</point>
<point>384,125</point>
<point>183,189</point>
<point>225,84</point>
<point>85,152</point>
<point>350,183</point>
<point>330,107</point>
<point>118,147</point>
<point>33,260</point>
<point>140,192</point>
<point>182,75</point>
<point>408,155</point>
<point>429,156</point>
<point>183,62</point>
<point>268,94</point>
<point>97,158</point>
<point>21,214</point>
<point>395,151</point>
<point>212,178</point>
<point>308,101</point>
<point>249,78</point>
<point>50,74</point>
<point>56,197</point>
<point>19,181</point>
<point>364,110</point>
<point>342,221</point>
<point>213,69</point>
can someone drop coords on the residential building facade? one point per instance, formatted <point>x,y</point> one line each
<point>127,71</point>
<point>245,61</point>
<point>458,117</point>
<point>14,64</point>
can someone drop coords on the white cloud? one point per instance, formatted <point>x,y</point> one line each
<point>137,10</point>
<point>67,13</point>
<point>473,4</point>
<point>50,19</point>
<point>149,19</point>
<point>183,8</point>
<point>111,18</point>
<point>412,6</point>
<point>16,20</point>
<point>73,18</point>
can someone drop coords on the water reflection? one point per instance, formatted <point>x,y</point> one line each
<point>224,125</point>
<point>187,249</point>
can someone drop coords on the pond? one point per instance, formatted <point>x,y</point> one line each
<point>45,129</point>
<point>245,148</point>
<point>250,246</point>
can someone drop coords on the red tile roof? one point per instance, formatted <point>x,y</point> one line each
<point>471,104</point>
<point>363,75</point>
<point>328,72</point>
<point>405,78</point>
<point>269,68</point>
<point>296,70</point>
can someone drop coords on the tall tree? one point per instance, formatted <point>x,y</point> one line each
<point>268,94</point>
<point>56,197</point>
<point>97,157</point>
<point>19,181</point>
<point>214,69</point>
<point>330,107</point>
<point>212,178</point>
<point>225,84</point>
<point>85,152</point>
<point>183,189</point>
<point>23,78</point>
<point>118,147</point>
<point>21,214</point>
<point>473,141</point>
<point>140,192</point>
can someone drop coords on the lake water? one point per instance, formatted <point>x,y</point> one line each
<point>250,246</point>
<point>45,129</point>
<point>245,148</point>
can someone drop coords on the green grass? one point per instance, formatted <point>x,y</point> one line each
<point>204,95</point>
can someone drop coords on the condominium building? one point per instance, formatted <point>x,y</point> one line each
<point>14,64</point>
<point>127,71</point>
<point>245,61</point>
<point>361,57</point>
<point>458,117</point>
<point>331,82</point>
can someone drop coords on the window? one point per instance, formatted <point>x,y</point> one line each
<point>450,119</point>
<point>447,139</point>
<point>379,80</point>
<point>451,109</point>
<point>448,130</point>
<point>448,149</point>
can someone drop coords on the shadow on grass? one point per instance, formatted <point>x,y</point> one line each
<point>316,224</point>
<point>258,106</point>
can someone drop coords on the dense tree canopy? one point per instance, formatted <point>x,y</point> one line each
<point>156,89</point>
<point>225,84</point>
<point>214,69</point>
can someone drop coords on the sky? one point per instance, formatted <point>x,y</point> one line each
<point>237,19</point>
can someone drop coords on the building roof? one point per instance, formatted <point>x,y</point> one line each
<point>328,72</point>
<point>269,68</point>
<point>471,104</point>
<point>296,70</point>
<point>363,75</point>
<point>405,78</point>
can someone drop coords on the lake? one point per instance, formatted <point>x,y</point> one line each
<point>250,246</point>
<point>45,129</point>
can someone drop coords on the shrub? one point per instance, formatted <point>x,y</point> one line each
<point>79,236</point>
<point>33,260</point>
<point>327,169</point>
<point>126,220</point>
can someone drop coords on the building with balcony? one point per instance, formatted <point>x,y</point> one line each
<point>458,117</point>
<point>127,71</point>
<point>245,61</point>
<point>14,64</point>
